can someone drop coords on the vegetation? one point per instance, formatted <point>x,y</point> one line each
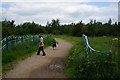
<point>96,65</point>
<point>93,28</point>
<point>9,28</point>
<point>14,53</point>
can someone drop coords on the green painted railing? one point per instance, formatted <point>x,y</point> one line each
<point>89,49</point>
<point>7,41</point>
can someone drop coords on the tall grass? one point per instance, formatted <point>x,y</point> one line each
<point>20,51</point>
<point>96,65</point>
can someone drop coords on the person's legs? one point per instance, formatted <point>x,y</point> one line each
<point>43,51</point>
<point>53,46</point>
<point>38,53</point>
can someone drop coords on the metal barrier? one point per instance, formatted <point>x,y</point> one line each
<point>17,39</point>
<point>89,48</point>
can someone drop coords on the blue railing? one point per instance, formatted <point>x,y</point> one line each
<point>89,49</point>
<point>7,41</point>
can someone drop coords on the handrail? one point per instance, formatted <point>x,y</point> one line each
<point>89,48</point>
<point>8,40</point>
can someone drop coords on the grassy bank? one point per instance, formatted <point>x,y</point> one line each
<point>20,51</point>
<point>96,65</point>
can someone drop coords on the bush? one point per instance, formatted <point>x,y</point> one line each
<point>20,51</point>
<point>95,66</point>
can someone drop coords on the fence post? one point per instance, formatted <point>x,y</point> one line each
<point>22,39</point>
<point>15,39</point>
<point>33,39</point>
<point>6,43</point>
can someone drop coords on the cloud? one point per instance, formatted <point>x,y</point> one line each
<point>60,0</point>
<point>41,12</point>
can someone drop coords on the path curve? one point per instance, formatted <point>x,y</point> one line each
<point>38,66</point>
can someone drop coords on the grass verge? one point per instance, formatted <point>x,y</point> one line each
<point>19,52</point>
<point>96,65</point>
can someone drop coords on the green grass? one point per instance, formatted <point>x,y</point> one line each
<point>71,39</point>
<point>101,43</point>
<point>20,51</point>
<point>96,65</point>
<point>15,53</point>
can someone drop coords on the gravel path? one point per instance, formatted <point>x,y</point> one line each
<point>38,66</point>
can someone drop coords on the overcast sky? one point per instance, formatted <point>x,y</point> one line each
<point>67,12</point>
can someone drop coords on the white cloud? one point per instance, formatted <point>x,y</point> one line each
<point>67,12</point>
<point>60,0</point>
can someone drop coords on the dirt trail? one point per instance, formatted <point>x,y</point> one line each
<point>38,66</point>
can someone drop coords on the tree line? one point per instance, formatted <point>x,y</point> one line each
<point>93,28</point>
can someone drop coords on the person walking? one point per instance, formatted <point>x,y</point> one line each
<point>41,45</point>
<point>54,44</point>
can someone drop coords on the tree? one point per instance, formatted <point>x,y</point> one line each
<point>54,26</point>
<point>7,28</point>
<point>109,21</point>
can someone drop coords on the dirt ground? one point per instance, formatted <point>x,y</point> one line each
<point>38,66</point>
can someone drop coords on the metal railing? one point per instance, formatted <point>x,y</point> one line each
<point>7,41</point>
<point>89,49</point>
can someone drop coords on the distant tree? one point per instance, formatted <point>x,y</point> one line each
<point>93,28</point>
<point>110,21</point>
<point>77,30</point>
<point>54,26</point>
<point>7,28</point>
